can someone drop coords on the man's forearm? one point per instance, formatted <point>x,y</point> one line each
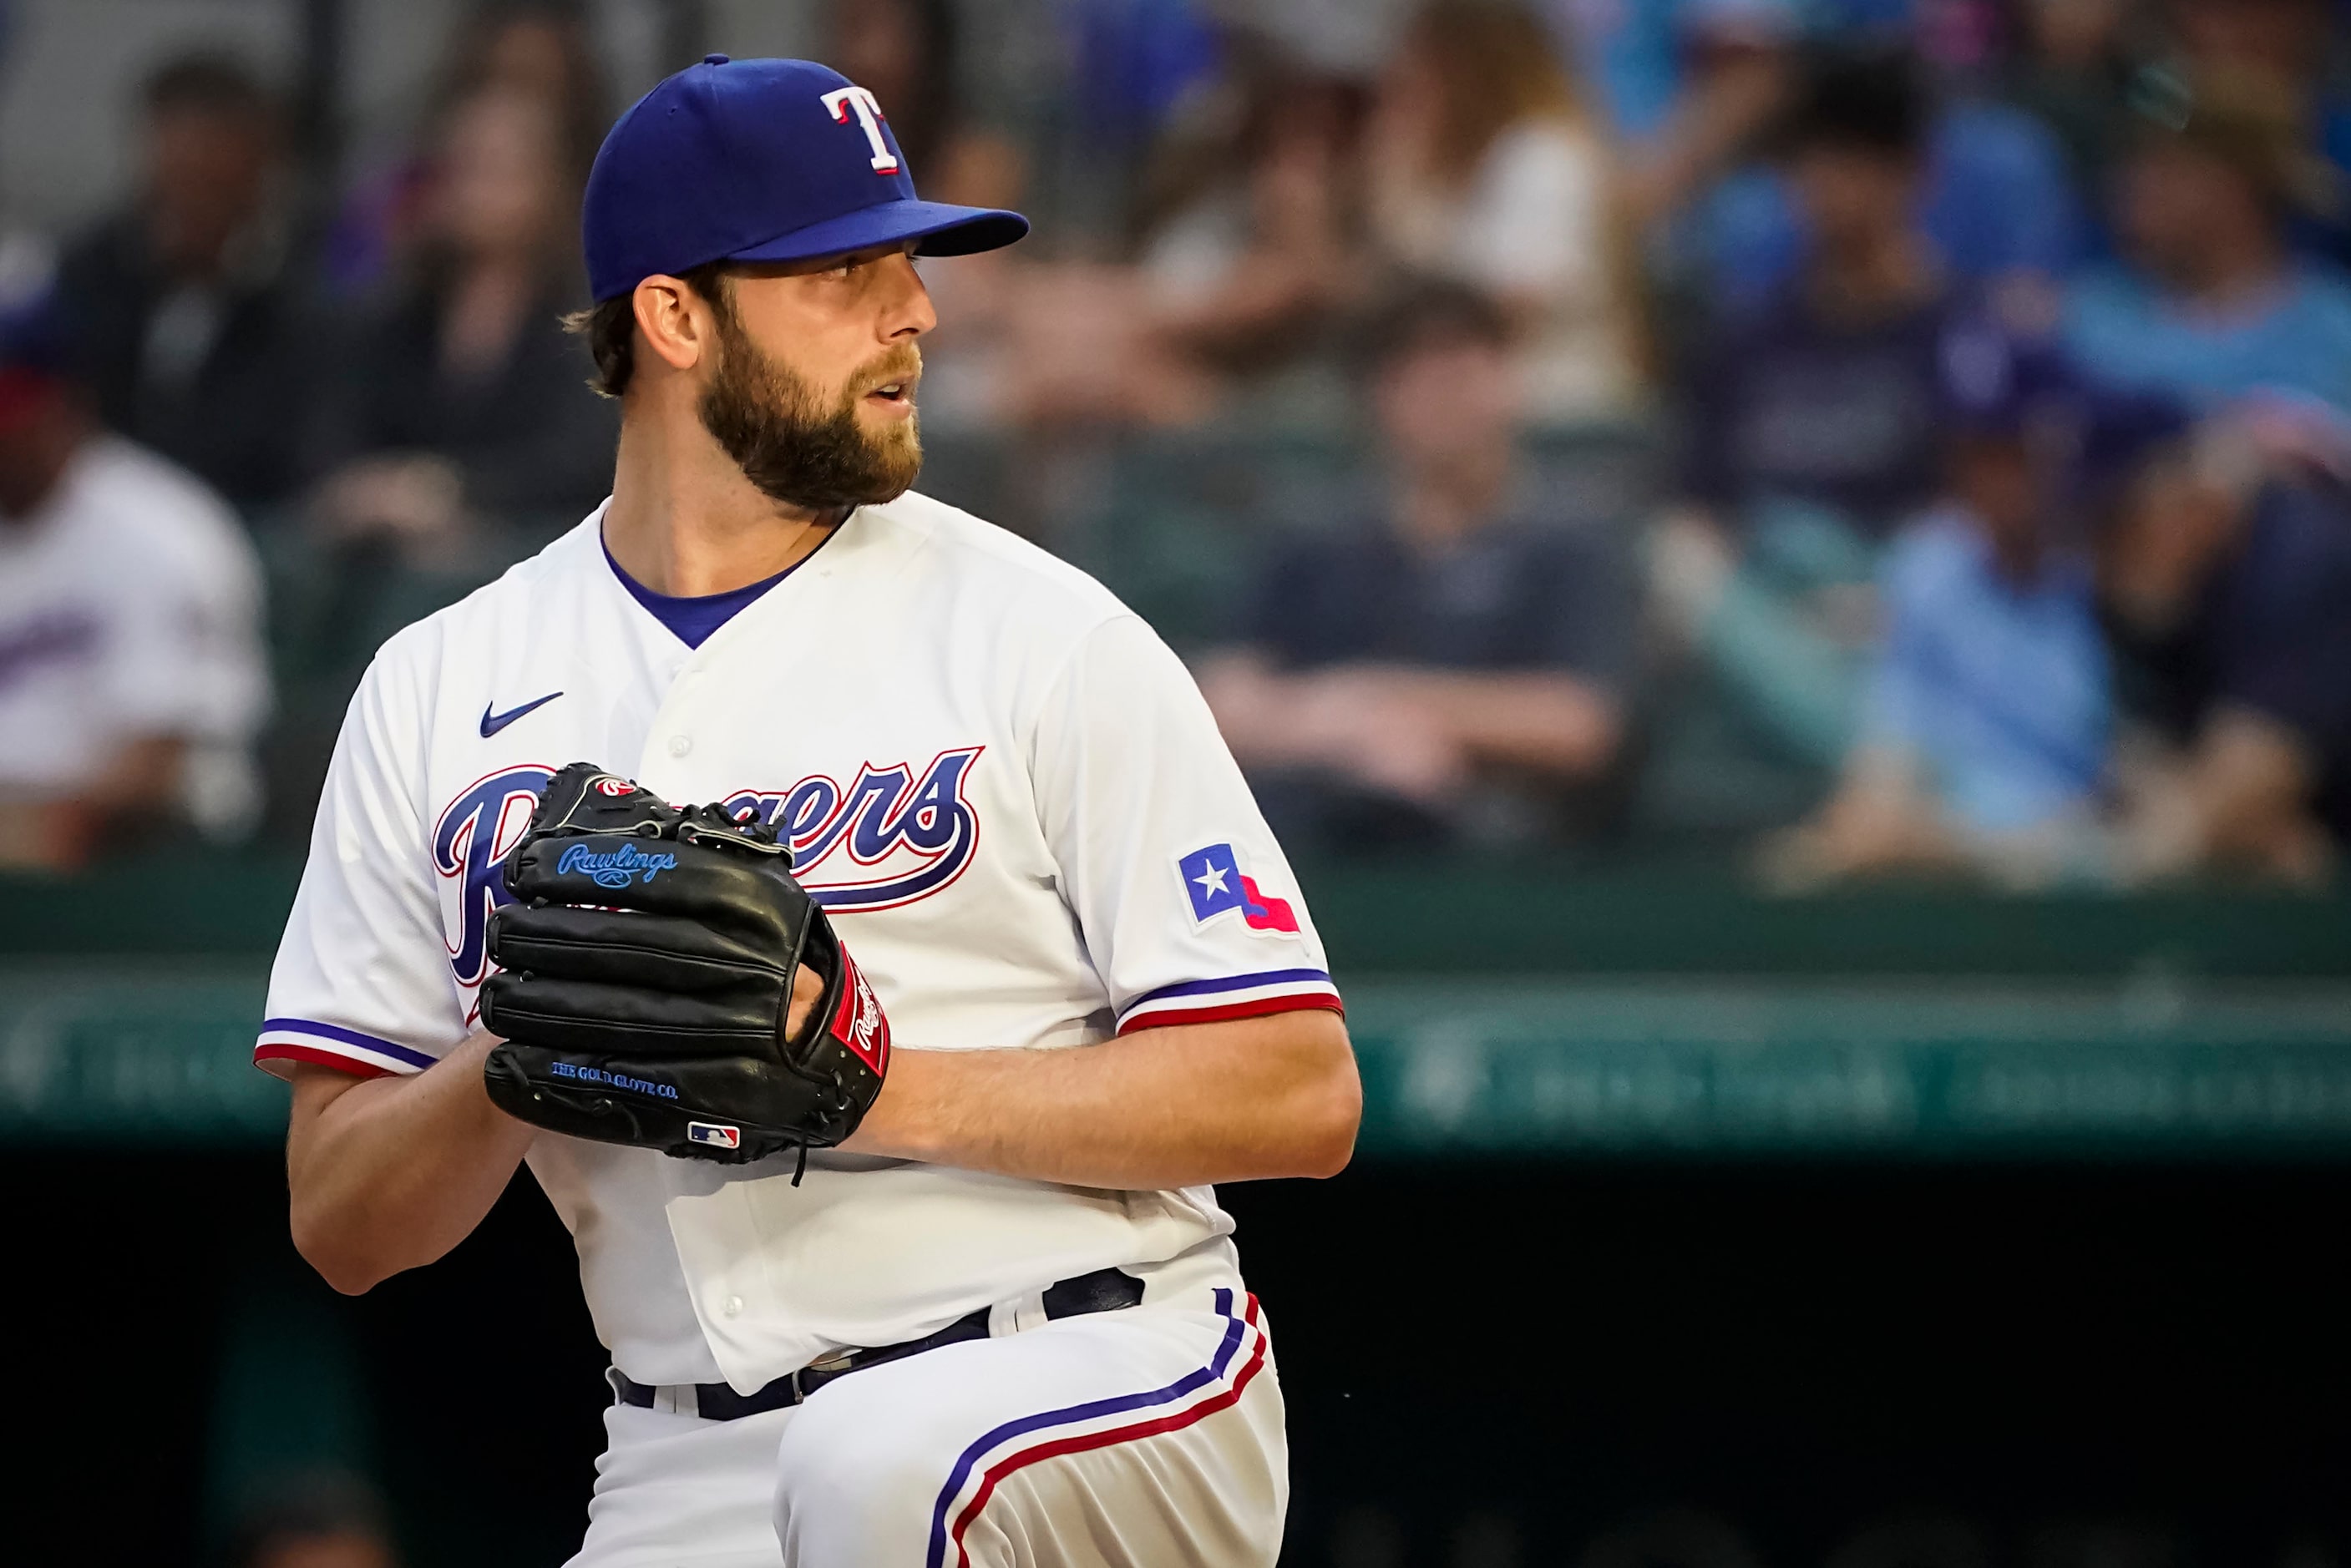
<point>390,1173</point>
<point>1546,721</point>
<point>1177,1106</point>
<point>387,1174</point>
<point>1551,723</point>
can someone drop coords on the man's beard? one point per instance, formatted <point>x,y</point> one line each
<point>771,421</point>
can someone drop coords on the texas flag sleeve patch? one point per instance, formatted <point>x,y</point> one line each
<point>1220,891</point>
<point>1213,878</point>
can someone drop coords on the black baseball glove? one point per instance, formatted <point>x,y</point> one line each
<point>646,980</point>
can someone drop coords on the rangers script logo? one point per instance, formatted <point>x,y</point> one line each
<point>472,836</point>
<point>889,838</point>
<point>892,837</point>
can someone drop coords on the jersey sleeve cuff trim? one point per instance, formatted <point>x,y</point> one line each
<point>270,1053</point>
<point>1328,1001</point>
<point>1233,996</point>
<point>350,1044</point>
<point>1261,980</point>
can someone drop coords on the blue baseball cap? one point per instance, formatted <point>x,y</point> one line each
<point>33,334</point>
<point>756,161</point>
<point>34,362</point>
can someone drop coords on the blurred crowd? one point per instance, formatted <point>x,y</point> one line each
<point>1885,437</point>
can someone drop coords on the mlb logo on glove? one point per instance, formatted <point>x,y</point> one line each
<point>714,1135</point>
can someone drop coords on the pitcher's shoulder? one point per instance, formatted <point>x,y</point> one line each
<point>994,564</point>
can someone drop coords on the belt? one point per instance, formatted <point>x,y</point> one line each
<point>1104,1290</point>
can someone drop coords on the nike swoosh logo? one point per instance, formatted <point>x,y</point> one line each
<point>492,723</point>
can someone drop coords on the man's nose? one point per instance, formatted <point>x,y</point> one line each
<point>907,312</point>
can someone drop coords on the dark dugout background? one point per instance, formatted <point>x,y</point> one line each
<point>1485,1364</point>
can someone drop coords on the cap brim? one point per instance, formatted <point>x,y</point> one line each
<point>943,231</point>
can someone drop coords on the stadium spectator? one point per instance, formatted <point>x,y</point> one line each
<point>1824,393</point>
<point>1994,198</point>
<point>1245,259</point>
<point>192,331</point>
<point>537,48</point>
<point>1247,252</point>
<point>2073,72</point>
<point>543,49</point>
<point>1811,424</point>
<point>1455,666</point>
<point>464,402</point>
<point>1686,84</point>
<point>132,675</point>
<point>2209,302</point>
<point>1985,724</point>
<point>2294,45</point>
<point>1482,165</point>
<point>2226,586</point>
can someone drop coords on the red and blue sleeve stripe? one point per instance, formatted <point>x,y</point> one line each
<point>333,1045</point>
<point>1232,996</point>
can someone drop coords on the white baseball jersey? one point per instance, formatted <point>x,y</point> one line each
<point>131,607</point>
<point>1002,785</point>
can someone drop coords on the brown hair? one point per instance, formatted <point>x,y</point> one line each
<point>1496,65</point>
<point>209,83</point>
<point>428,260</point>
<point>610,327</point>
<point>581,101</point>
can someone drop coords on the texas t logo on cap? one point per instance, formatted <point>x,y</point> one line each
<point>757,160</point>
<point>842,100</point>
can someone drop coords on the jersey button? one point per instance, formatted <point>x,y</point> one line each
<point>680,745</point>
<point>733,1306</point>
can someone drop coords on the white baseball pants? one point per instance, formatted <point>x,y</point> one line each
<point>1136,1438</point>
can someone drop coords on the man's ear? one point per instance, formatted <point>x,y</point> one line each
<point>674,322</point>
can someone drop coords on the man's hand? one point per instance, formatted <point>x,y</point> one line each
<point>1882,819</point>
<point>111,811</point>
<point>808,990</point>
<point>417,500</point>
<point>387,1174</point>
<point>2237,800</point>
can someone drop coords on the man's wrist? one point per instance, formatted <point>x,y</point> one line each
<point>895,1125</point>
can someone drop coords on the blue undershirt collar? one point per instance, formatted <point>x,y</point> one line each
<point>693,619</point>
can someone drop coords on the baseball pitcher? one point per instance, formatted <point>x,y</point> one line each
<point>848,913</point>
